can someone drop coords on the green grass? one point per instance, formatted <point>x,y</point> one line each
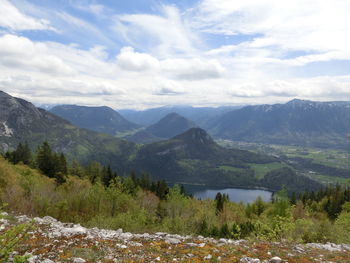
<point>128,133</point>
<point>189,164</point>
<point>330,157</point>
<point>262,169</point>
<point>329,179</point>
<point>230,168</point>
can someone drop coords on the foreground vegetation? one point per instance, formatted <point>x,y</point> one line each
<point>97,196</point>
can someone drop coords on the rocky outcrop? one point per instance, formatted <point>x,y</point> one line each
<point>52,241</point>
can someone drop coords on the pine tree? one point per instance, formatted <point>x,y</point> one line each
<point>51,164</point>
<point>107,176</point>
<point>162,189</point>
<point>94,172</point>
<point>219,200</point>
<point>44,160</point>
<point>26,154</point>
<point>21,154</point>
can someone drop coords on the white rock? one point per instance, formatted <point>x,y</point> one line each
<point>249,260</point>
<point>122,246</point>
<point>223,240</point>
<point>47,261</point>
<point>136,244</point>
<point>329,246</point>
<point>173,241</point>
<point>54,233</point>
<point>275,260</point>
<point>32,259</point>
<point>208,257</point>
<point>49,219</point>
<point>201,245</point>
<point>345,246</point>
<point>191,244</point>
<point>145,235</point>
<point>158,258</point>
<point>75,230</point>
<point>23,218</point>
<point>299,249</point>
<point>126,235</point>
<point>79,260</point>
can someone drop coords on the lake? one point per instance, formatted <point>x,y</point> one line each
<point>235,194</point>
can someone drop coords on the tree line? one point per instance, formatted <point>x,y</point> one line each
<point>55,165</point>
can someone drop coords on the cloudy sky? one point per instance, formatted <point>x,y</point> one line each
<point>149,53</point>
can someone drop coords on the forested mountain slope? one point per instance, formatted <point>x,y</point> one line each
<point>99,119</point>
<point>21,121</point>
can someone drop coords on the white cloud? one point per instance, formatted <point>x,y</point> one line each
<point>165,59</point>
<point>164,35</point>
<point>317,26</point>
<point>11,18</point>
<point>192,69</point>
<point>168,88</point>
<point>20,52</point>
<point>128,59</point>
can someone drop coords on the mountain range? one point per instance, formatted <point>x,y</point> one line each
<point>21,121</point>
<point>100,119</point>
<point>298,122</point>
<point>199,115</point>
<point>189,157</point>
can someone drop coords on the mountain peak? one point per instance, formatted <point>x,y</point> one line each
<point>170,125</point>
<point>195,135</point>
<point>299,102</point>
<point>173,116</point>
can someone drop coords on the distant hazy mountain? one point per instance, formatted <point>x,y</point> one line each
<point>169,126</point>
<point>298,122</point>
<point>193,157</point>
<point>100,119</point>
<point>21,121</point>
<point>197,114</point>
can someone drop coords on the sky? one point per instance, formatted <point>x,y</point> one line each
<point>148,53</point>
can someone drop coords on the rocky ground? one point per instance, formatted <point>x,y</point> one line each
<point>52,241</point>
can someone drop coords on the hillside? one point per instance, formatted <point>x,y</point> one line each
<point>298,122</point>
<point>99,119</point>
<point>21,121</point>
<point>169,126</point>
<point>81,221</point>
<point>194,158</point>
